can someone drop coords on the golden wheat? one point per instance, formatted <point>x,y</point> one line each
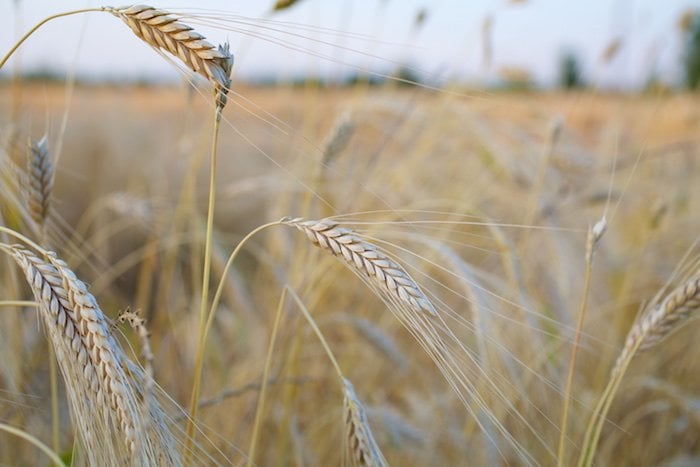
<point>367,258</point>
<point>361,447</point>
<point>93,365</point>
<point>661,320</point>
<point>163,31</point>
<point>40,173</point>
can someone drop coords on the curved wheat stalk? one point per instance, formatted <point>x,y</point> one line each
<point>101,383</point>
<point>163,31</point>
<point>367,258</point>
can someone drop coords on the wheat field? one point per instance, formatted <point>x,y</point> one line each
<point>370,275</point>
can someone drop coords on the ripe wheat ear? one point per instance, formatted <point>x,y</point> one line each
<point>367,258</point>
<point>103,384</point>
<point>163,31</point>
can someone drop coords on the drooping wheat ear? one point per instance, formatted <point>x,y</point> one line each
<point>361,447</point>
<point>40,173</point>
<point>162,31</point>
<point>367,258</point>
<point>660,320</point>
<point>103,397</point>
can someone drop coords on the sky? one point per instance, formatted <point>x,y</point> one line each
<point>334,38</point>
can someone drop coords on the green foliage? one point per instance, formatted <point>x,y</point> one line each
<point>692,53</point>
<point>570,72</point>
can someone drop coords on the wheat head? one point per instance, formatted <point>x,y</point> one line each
<point>98,375</point>
<point>661,320</point>
<point>40,174</point>
<point>361,447</point>
<point>366,258</point>
<point>163,31</point>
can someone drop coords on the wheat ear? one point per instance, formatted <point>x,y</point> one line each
<point>661,320</point>
<point>95,369</point>
<point>163,31</point>
<point>40,174</point>
<point>361,447</point>
<point>367,258</point>
<point>655,324</point>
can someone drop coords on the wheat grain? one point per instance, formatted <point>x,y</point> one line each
<point>163,31</point>
<point>366,258</point>
<point>361,448</point>
<point>40,173</point>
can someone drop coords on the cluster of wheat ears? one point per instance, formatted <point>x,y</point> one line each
<point>116,405</point>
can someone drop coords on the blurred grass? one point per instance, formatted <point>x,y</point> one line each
<point>131,153</point>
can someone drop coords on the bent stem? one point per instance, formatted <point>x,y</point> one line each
<point>31,439</point>
<point>40,24</point>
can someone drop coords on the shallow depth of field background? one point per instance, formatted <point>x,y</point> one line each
<point>512,162</point>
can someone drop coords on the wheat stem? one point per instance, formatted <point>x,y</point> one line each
<point>18,303</point>
<point>591,244</point>
<point>26,436</point>
<point>266,372</point>
<point>40,24</point>
<point>205,279</point>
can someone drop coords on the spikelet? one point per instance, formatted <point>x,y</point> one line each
<point>40,174</point>
<point>361,447</point>
<point>163,31</point>
<point>366,258</point>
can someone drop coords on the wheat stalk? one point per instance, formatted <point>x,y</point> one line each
<point>40,173</point>
<point>361,448</point>
<point>163,31</point>
<point>367,258</point>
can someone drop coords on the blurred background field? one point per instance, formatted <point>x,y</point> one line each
<point>485,194</point>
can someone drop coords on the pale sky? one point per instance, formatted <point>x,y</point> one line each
<point>528,35</point>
